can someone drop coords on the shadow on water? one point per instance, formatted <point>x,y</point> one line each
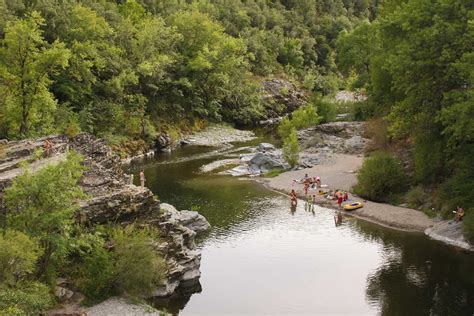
<point>418,276</point>
<point>261,256</point>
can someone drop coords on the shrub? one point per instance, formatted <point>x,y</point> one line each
<point>291,148</point>
<point>468,225</point>
<point>18,256</point>
<point>457,190</point>
<point>380,177</point>
<point>138,267</point>
<point>326,110</point>
<point>416,197</point>
<point>30,298</point>
<point>94,270</point>
<point>42,205</point>
<point>301,118</point>
<point>363,110</point>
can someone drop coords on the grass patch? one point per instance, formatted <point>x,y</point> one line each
<point>274,172</point>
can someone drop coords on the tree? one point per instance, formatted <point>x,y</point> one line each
<point>26,63</point>
<point>18,256</point>
<point>291,148</point>
<point>42,204</point>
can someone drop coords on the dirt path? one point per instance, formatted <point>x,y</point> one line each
<point>340,173</point>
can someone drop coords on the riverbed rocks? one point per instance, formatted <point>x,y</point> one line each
<point>334,137</point>
<point>112,199</point>
<point>218,135</point>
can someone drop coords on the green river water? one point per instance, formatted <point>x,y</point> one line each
<point>260,258</point>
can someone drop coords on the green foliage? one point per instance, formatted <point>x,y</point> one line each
<point>18,256</point>
<point>468,225</point>
<point>325,109</point>
<point>94,271</point>
<point>31,298</point>
<point>273,172</point>
<point>122,68</point>
<point>41,204</point>
<point>303,117</point>
<point>27,62</point>
<point>380,177</point>
<point>416,197</point>
<point>291,148</point>
<point>457,190</point>
<point>363,110</point>
<point>137,265</point>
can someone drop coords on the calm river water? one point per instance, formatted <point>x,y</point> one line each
<point>260,258</point>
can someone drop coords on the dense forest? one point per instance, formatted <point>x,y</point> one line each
<point>416,62</point>
<point>69,66</point>
<point>129,70</point>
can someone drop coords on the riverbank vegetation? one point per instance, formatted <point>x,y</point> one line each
<point>126,70</point>
<point>415,62</point>
<point>42,239</point>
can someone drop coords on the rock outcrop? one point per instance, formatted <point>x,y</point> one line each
<point>280,98</point>
<point>113,199</point>
<point>334,137</point>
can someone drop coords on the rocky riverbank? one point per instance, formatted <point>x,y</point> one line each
<point>334,152</point>
<point>340,148</point>
<point>114,200</point>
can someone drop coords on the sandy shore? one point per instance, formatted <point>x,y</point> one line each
<point>340,173</point>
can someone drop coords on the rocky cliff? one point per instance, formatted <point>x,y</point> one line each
<point>113,199</point>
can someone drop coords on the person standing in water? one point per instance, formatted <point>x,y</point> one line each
<point>339,199</point>
<point>142,178</point>
<point>293,198</point>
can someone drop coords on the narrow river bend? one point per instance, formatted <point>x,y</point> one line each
<point>260,258</point>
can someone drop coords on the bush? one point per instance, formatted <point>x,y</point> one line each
<point>138,267</point>
<point>291,148</point>
<point>468,225</point>
<point>326,110</point>
<point>416,197</point>
<point>42,204</point>
<point>18,256</point>
<point>30,298</point>
<point>363,110</point>
<point>301,118</point>
<point>94,271</point>
<point>380,178</point>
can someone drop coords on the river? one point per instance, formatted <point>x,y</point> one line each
<point>261,258</point>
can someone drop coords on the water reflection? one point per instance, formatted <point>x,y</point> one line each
<point>264,256</point>
<point>419,276</point>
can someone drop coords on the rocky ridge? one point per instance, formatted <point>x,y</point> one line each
<point>113,199</point>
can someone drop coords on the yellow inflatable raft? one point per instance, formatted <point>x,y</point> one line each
<point>353,206</point>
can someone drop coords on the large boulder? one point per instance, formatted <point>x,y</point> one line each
<point>265,161</point>
<point>190,219</point>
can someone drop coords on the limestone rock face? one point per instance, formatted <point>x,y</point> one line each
<point>112,199</point>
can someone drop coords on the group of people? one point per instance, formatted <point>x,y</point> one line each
<point>340,196</point>
<point>308,183</point>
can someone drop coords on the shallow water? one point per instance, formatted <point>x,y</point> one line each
<point>261,258</point>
